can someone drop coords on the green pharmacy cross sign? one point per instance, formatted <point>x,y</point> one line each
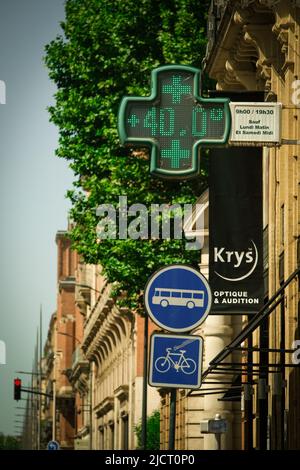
<point>174,121</point>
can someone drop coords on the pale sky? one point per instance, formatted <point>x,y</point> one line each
<point>33,183</point>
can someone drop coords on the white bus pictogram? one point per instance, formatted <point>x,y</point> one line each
<point>178,297</point>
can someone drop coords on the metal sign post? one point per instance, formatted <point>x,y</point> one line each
<point>172,419</point>
<point>145,398</point>
<point>178,299</point>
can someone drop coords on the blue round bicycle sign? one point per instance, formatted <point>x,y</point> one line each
<point>177,298</point>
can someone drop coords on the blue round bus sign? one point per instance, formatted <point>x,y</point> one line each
<point>177,298</point>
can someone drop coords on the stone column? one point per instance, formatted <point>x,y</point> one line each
<point>217,334</point>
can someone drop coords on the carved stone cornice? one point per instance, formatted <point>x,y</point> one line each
<point>65,391</point>
<point>254,12</point>
<point>106,405</point>
<point>97,315</point>
<point>121,393</point>
<point>83,299</point>
<point>228,80</point>
<point>269,3</point>
<point>67,283</point>
<point>284,30</point>
<point>251,39</point>
<point>108,330</point>
<point>260,36</point>
<point>242,62</point>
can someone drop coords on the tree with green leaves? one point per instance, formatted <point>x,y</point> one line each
<point>153,432</point>
<point>9,442</point>
<point>107,51</point>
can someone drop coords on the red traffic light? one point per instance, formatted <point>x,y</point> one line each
<point>17,389</point>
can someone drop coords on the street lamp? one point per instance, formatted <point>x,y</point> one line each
<point>88,287</point>
<point>29,373</point>
<point>68,334</point>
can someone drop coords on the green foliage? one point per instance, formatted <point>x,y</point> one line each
<point>9,442</point>
<point>153,432</point>
<point>108,51</point>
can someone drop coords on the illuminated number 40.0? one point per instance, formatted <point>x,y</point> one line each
<point>162,121</point>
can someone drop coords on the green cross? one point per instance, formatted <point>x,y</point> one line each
<point>177,89</point>
<point>174,128</point>
<point>133,120</point>
<point>175,153</point>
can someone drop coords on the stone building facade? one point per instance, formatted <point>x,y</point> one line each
<point>254,46</point>
<point>113,346</point>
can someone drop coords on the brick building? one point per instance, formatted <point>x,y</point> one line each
<point>93,361</point>
<point>60,345</point>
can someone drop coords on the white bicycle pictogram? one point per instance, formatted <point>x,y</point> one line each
<point>183,364</point>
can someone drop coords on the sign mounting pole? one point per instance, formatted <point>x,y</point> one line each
<point>145,373</point>
<point>172,419</point>
<point>178,299</point>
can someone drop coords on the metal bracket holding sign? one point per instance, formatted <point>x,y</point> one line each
<point>255,123</point>
<point>174,121</point>
<point>216,426</point>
